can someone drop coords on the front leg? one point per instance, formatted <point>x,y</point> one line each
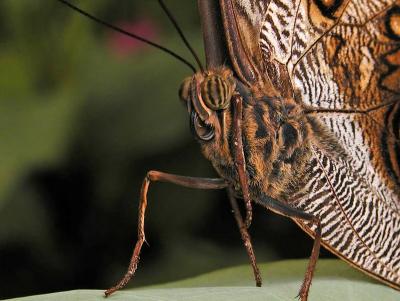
<point>158,176</point>
<point>240,160</point>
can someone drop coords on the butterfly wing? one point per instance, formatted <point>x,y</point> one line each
<point>340,59</point>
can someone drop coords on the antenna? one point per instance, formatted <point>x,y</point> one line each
<point>132,35</point>
<point>178,29</point>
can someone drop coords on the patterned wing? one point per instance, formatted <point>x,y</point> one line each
<point>340,59</point>
<point>350,72</point>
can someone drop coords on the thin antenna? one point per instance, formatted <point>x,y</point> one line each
<point>132,35</point>
<point>178,29</point>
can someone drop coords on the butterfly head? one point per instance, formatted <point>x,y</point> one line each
<point>207,96</point>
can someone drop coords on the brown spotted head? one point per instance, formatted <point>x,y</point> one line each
<point>207,96</point>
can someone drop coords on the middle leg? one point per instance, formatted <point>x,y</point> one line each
<point>245,236</point>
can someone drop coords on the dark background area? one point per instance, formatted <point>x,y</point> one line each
<point>84,114</point>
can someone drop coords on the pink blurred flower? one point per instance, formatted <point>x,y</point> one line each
<point>123,45</point>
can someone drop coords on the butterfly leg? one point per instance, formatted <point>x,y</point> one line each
<point>240,161</point>
<point>245,236</point>
<point>305,287</point>
<point>286,210</point>
<point>157,176</point>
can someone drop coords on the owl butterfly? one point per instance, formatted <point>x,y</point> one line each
<point>298,110</point>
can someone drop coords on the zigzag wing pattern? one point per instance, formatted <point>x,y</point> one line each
<point>358,225</point>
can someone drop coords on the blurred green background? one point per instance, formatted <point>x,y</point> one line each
<point>84,113</point>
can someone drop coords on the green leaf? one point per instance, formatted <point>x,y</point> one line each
<point>334,280</point>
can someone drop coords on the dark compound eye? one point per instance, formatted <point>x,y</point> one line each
<point>216,92</point>
<point>199,128</point>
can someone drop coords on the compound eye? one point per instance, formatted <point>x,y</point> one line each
<point>184,90</point>
<point>216,92</point>
<point>200,129</point>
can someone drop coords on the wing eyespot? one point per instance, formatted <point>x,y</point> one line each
<point>328,8</point>
<point>392,23</point>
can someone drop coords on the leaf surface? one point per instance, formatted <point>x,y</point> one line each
<point>334,280</point>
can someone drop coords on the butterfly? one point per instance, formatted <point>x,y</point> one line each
<point>337,62</point>
<point>298,111</point>
<point>320,87</point>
